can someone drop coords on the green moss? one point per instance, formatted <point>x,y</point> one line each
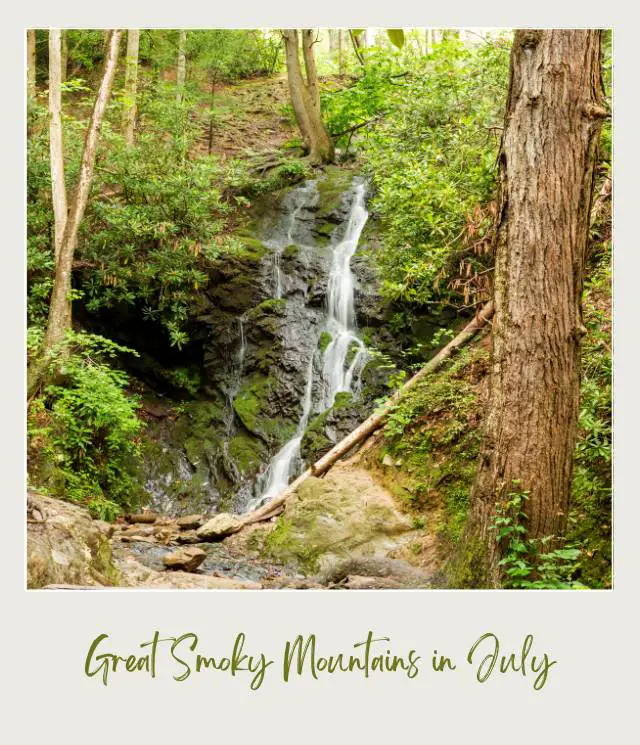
<point>433,434</point>
<point>253,407</point>
<point>325,521</point>
<point>324,340</point>
<point>252,248</point>
<point>351,352</point>
<point>290,252</point>
<point>274,305</point>
<point>467,568</point>
<point>331,189</point>
<point>246,452</point>
<point>102,567</point>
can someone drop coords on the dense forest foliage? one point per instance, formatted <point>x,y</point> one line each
<point>171,214</point>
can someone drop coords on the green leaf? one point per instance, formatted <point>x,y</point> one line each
<point>396,37</point>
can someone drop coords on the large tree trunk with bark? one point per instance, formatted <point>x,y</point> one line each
<point>59,321</point>
<point>56,149</point>
<point>131,85</point>
<point>305,97</point>
<point>181,72</point>
<point>553,118</point>
<point>31,63</point>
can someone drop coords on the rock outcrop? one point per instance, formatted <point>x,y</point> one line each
<point>65,546</point>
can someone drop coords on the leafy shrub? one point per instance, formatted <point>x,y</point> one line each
<point>431,160</point>
<point>84,430</point>
<point>525,564</point>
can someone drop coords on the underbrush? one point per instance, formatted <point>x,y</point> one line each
<point>84,431</point>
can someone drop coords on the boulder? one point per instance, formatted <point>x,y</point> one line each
<point>143,517</point>
<point>189,522</point>
<point>187,558</point>
<point>219,526</point>
<point>65,546</point>
<point>188,536</point>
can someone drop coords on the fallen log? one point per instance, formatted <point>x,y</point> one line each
<point>374,422</point>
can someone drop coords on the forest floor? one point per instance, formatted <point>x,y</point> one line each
<point>249,116</point>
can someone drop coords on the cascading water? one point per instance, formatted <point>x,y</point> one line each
<point>338,372</point>
<point>286,460</point>
<point>295,201</point>
<point>239,368</point>
<point>346,354</point>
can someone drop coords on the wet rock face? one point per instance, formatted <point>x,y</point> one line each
<point>255,351</point>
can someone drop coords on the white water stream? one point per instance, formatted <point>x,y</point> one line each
<point>295,201</point>
<point>345,355</point>
<point>338,372</point>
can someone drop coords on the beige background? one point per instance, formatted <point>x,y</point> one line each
<point>591,695</point>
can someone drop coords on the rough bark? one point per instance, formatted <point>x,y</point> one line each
<point>552,125</point>
<point>308,39</point>
<point>59,320</point>
<point>181,72</point>
<point>31,63</point>
<point>305,97</point>
<point>297,89</point>
<point>131,85</point>
<point>374,422</point>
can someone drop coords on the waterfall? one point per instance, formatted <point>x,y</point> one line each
<point>295,201</point>
<point>339,373</point>
<point>239,368</point>
<point>286,460</point>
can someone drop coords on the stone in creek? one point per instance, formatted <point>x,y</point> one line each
<point>143,517</point>
<point>187,559</point>
<point>189,522</point>
<point>188,536</point>
<point>219,526</point>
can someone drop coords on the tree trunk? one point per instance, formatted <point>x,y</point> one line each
<point>306,97</point>
<point>310,69</point>
<point>340,54</point>
<point>553,118</point>
<point>131,85</point>
<point>428,41</point>
<point>332,41</point>
<point>297,88</point>
<point>59,321</point>
<point>181,72</point>
<point>31,63</point>
<point>56,148</point>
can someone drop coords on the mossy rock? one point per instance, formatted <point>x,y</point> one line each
<point>331,189</point>
<point>271,306</point>
<point>328,520</point>
<point>247,453</point>
<point>253,249</point>
<point>324,340</point>
<point>291,252</point>
<point>255,409</point>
